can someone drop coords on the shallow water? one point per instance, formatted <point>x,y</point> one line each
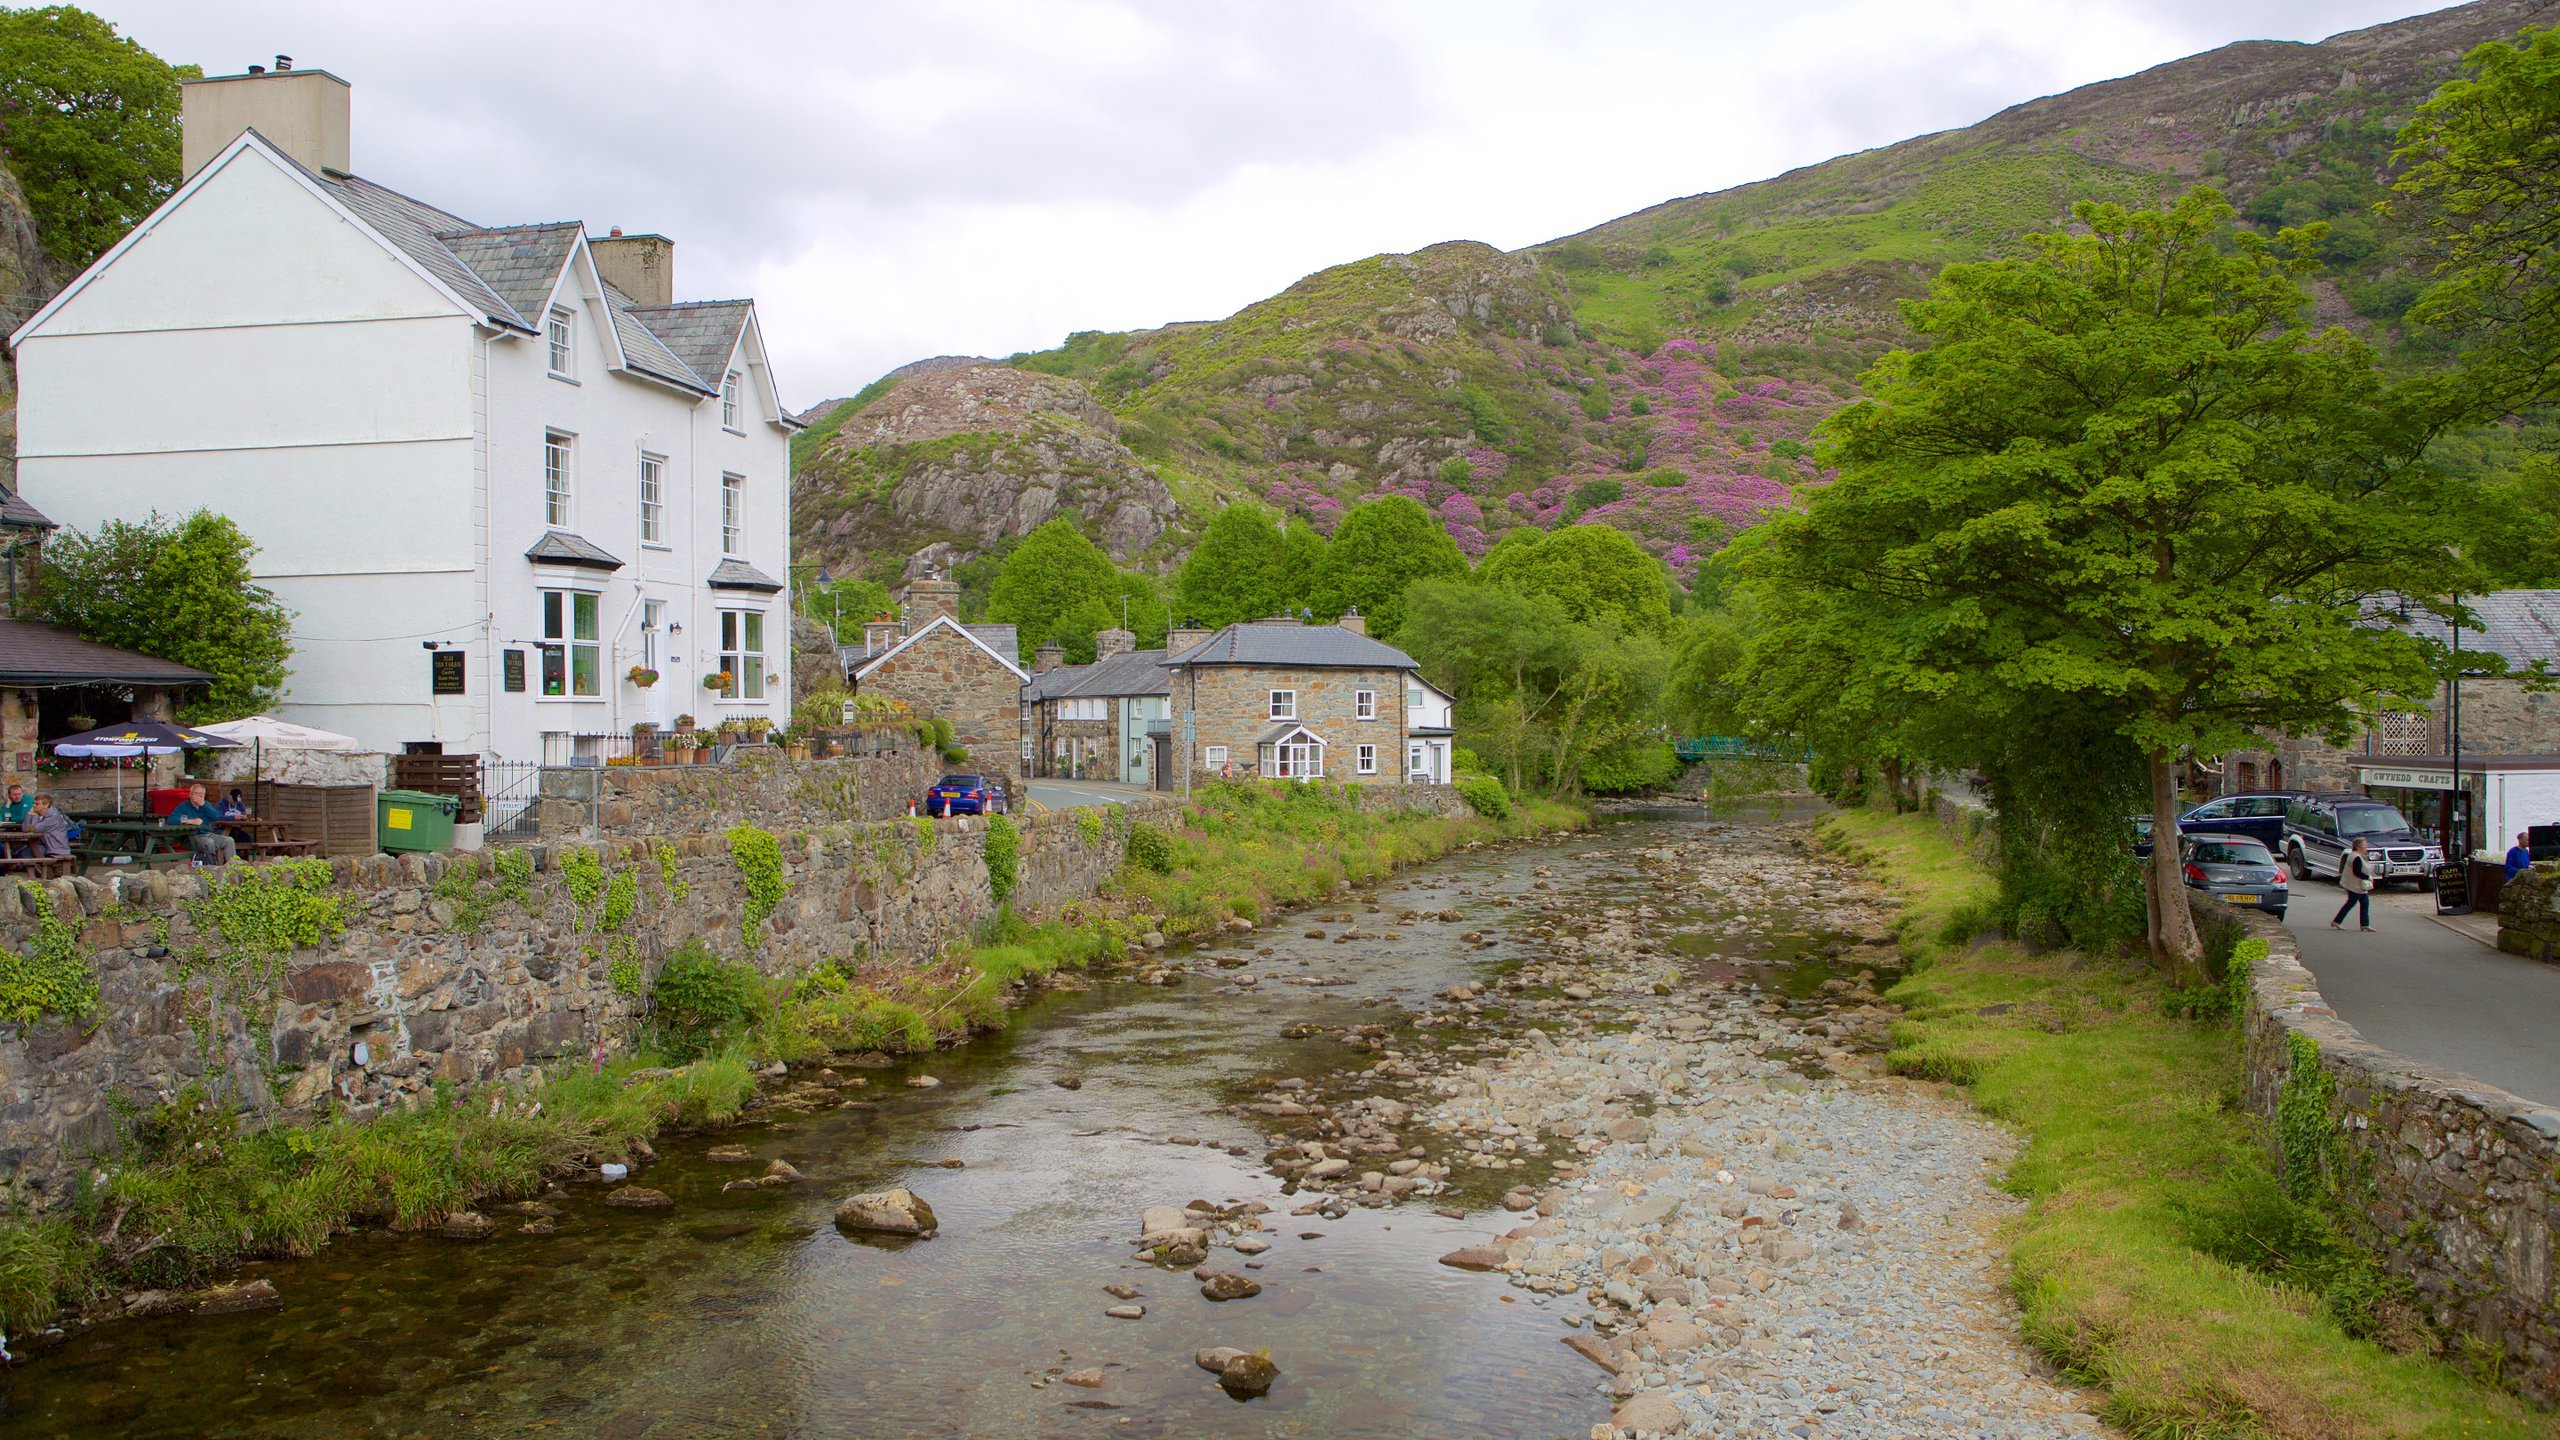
<point>748,1314</point>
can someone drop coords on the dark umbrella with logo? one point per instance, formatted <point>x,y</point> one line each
<point>138,737</point>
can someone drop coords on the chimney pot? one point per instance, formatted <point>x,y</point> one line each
<point>1354,621</point>
<point>284,64</point>
<point>1049,657</point>
<point>1112,642</point>
<point>257,69</point>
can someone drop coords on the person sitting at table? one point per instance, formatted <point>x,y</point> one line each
<point>233,806</point>
<point>198,817</point>
<point>13,811</point>
<point>50,827</point>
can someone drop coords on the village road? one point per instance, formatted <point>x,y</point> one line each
<point>1074,794</point>
<point>2432,994</point>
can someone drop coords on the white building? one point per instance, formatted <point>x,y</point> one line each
<point>1427,733</point>
<point>492,470</point>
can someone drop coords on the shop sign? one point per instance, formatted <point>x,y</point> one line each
<point>2406,779</point>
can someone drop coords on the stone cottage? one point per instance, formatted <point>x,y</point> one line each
<point>1107,720</point>
<point>966,674</point>
<point>1285,700</point>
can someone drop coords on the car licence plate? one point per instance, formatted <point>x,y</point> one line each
<point>2241,899</point>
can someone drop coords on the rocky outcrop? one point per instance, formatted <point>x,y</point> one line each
<point>965,456</point>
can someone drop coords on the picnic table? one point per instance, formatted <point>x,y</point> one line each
<point>123,840</point>
<point>19,856</point>
<point>266,837</point>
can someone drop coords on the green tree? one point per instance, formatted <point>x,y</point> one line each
<point>89,123</point>
<point>2484,185</point>
<point>1053,572</point>
<point>2516,526</point>
<point>1594,571</point>
<point>1302,551</point>
<point>1234,572</point>
<point>180,590</point>
<point>1381,547</point>
<point>1537,692</point>
<point>2125,487</point>
<point>845,606</point>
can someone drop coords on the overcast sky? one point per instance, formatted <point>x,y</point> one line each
<point>891,181</point>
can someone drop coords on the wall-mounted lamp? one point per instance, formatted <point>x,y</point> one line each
<point>675,627</point>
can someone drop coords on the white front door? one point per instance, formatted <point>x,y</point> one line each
<point>658,705</point>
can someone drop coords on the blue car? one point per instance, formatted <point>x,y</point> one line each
<point>2259,815</point>
<point>965,795</point>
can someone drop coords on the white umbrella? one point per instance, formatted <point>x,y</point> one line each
<point>260,731</point>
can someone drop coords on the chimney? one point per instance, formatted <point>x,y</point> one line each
<point>1108,643</point>
<point>1048,657</point>
<point>304,113</point>
<point>930,597</point>
<point>1354,621</point>
<point>640,266</point>
<point>1185,635</point>
<point>879,633</point>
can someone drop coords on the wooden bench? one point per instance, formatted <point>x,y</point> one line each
<point>279,847</point>
<point>40,867</point>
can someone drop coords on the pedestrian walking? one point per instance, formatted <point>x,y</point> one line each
<point>2520,854</point>
<point>2356,878</point>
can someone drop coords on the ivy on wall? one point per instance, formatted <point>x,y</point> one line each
<point>53,976</point>
<point>248,924</point>
<point>759,857</point>
<point>1004,857</point>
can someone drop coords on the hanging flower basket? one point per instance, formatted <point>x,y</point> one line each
<point>642,676</point>
<point>718,680</point>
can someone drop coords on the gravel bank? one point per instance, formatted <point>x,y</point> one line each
<point>1777,1239</point>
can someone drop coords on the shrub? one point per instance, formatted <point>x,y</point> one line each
<point>1625,769</point>
<point>1485,796</point>
<point>700,999</point>
<point>1004,857</point>
<point>1151,849</point>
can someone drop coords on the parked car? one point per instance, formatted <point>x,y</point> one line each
<point>2234,869</point>
<point>2318,829</point>
<point>966,795</point>
<point>2259,815</point>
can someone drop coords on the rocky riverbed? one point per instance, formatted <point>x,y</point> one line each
<point>1624,1084</point>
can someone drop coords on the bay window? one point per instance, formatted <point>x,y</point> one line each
<point>742,653</point>
<point>572,647</point>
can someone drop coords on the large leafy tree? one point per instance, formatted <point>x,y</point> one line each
<point>89,123</point>
<point>2484,183</point>
<point>180,590</point>
<point>1381,547</point>
<point>1593,571</point>
<point>1234,573</point>
<point>1053,574</point>
<point>2127,488</point>
<point>1538,692</point>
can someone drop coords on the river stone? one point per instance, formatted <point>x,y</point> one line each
<point>1475,1257</point>
<point>639,1197</point>
<point>466,1225</point>
<point>1248,1375</point>
<point>1327,1169</point>
<point>1127,1312</point>
<point>1650,1212</point>
<point>1215,1358</point>
<point>1593,1349</point>
<point>728,1154</point>
<point>1251,1245</point>
<point>232,1299</point>
<point>887,1212</point>
<point>1090,1379</point>
<point>1162,1220</point>
<point>782,1172</point>
<point>921,1082</point>
<point>1226,1285</point>
<point>1649,1415</point>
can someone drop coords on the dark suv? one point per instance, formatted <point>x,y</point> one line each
<point>2259,815</point>
<point>2318,829</point>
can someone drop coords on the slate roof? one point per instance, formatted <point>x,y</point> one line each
<point>33,654</point>
<point>559,547</point>
<point>17,514</point>
<point>700,333</point>
<point>1005,640</point>
<point>739,575</point>
<point>508,272</point>
<point>1289,645</point>
<point>2521,625</point>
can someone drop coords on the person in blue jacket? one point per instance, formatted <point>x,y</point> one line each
<point>2519,856</point>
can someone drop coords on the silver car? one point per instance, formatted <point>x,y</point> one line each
<point>2234,869</point>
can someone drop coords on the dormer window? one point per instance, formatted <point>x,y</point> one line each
<point>729,402</point>
<point>564,351</point>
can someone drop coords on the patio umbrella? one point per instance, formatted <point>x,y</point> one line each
<point>137,737</point>
<point>261,731</point>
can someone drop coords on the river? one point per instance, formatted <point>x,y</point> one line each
<point>745,1313</point>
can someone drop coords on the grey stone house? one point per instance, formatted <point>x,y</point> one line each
<point>926,659</point>
<point>1285,700</point>
<point>1108,720</point>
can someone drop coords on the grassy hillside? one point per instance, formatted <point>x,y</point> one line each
<point>1662,372</point>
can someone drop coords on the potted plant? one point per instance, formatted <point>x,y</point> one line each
<point>718,681</point>
<point>678,747</point>
<point>795,743</point>
<point>642,676</point>
<point>80,723</point>
<point>684,723</point>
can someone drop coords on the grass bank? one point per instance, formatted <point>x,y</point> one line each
<point>199,1186</point>
<point>2160,1260</point>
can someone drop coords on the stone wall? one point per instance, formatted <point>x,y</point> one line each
<point>2453,1182</point>
<point>1441,800</point>
<point>2529,914</point>
<point>434,995</point>
<point>758,785</point>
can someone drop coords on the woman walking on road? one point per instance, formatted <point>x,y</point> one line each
<point>2356,878</point>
